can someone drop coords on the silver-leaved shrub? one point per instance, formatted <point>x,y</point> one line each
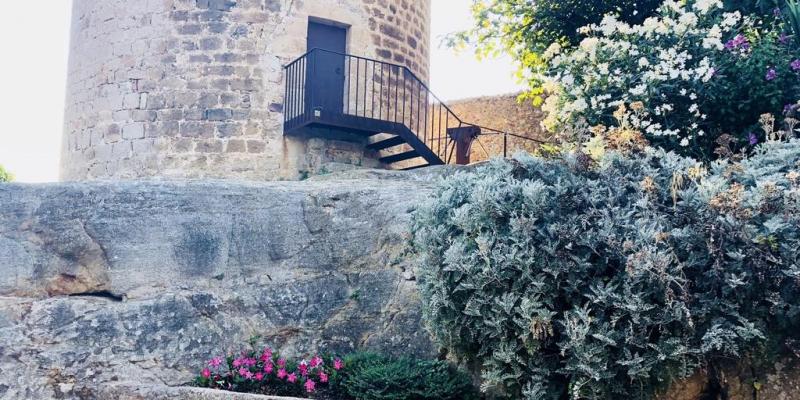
<point>565,280</point>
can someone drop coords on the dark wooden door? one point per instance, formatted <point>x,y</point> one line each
<point>325,76</point>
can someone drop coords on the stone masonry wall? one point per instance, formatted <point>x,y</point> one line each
<point>194,88</point>
<point>400,33</point>
<point>505,114</point>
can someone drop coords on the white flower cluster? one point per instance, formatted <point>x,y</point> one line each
<point>663,63</point>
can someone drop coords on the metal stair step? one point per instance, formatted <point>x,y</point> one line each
<point>386,143</point>
<point>399,157</point>
<point>416,167</point>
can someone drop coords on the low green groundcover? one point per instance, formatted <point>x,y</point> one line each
<point>359,376</point>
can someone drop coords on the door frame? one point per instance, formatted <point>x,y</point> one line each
<point>339,103</point>
<point>330,22</point>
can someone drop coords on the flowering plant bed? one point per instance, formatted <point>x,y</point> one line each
<point>264,371</point>
<point>359,376</point>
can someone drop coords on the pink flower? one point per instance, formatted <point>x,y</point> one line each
<point>244,372</point>
<point>215,362</point>
<point>337,364</point>
<point>323,377</point>
<point>303,367</point>
<point>266,355</point>
<point>206,373</point>
<point>250,362</point>
<point>281,373</point>
<point>258,376</point>
<point>316,361</point>
<point>237,363</point>
<point>291,378</point>
<point>268,368</point>
<point>281,362</point>
<point>310,385</point>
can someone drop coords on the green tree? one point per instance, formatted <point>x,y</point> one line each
<point>524,28</point>
<point>5,176</point>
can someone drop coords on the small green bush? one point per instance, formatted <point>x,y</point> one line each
<point>567,280</point>
<point>371,376</point>
<point>5,176</point>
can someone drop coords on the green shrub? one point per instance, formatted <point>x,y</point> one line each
<point>371,376</point>
<point>567,280</point>
<point>695,72</point>
<point>5,176</point>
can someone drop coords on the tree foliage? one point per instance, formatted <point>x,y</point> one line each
<point>611,281</point>
<point>694,72</point>
<point>5,176</point>
<point>524,28</point>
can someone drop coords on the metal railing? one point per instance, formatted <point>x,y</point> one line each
<point>325,83</point>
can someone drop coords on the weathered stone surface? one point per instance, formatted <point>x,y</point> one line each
<point>162,392</point>
<point>742,380</point>
<point>143,281</point>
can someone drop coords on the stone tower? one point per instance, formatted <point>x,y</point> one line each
<point>194,88</point>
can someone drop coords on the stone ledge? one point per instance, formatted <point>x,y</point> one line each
<point>132,391</point>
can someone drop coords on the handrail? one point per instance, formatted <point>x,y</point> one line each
<point>408,71</point>
<point>302,97</point>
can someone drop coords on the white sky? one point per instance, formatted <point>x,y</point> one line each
<point>34,40</point>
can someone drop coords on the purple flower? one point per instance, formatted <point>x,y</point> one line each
<point>771,74</point>
<point>738,42</point>
<point>776,11</point>
<point>784,38</point>
<point>752,139</point>
<point>788,108</point>
<point>795,65</point>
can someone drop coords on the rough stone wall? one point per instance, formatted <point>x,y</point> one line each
<point>400,32</point>
<point>194,88</point>
<point>143,281</point>
<point>505,114</point>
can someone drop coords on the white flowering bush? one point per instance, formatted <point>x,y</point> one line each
<point>691,74</point>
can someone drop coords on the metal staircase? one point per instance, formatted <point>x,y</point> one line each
<point>384,104</point>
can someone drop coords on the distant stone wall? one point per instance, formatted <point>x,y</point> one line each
<point>503,113</point>
<point>194,88</point>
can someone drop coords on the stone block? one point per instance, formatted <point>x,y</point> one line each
<point>143,115</point>
<point>218,114</point>
<point>133,131</point>
<point>230,129</point>
<point>196,129</point>
<point>219,5</point>
<point>190,29</point>
<point>256,146</point>
<point>156,102</point>
<point>236,146</point>
<point>209,146</point>
<point>210,43</point>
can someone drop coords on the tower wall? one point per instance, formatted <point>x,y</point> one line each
<point>194,88</point>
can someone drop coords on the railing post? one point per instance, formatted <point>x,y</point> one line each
<point>463,138</point>
<point>505,145</point>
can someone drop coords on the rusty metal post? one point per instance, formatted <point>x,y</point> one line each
<point>463,137</point>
